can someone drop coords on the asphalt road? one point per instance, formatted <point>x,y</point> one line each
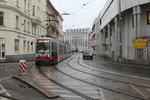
<point>102,64</point>
<point>91,78</point>
<point>91,81</point>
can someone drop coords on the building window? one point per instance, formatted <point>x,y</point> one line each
<point>16,45</point>
<point>17,3</point>
<point>1,18</point>
<point>17,22</point>
<point>25,5</point>
<point>132,21</point>
<point>106,47</point>
<point>33,11</point>
<point>28,8</point>
<point>24,46</point>
<point>28,46</point>
<point>106,34</point>
<point>38,11</point>
<point>32,46</point>
<point>148,17</point>
<point>28,26</point>
<point>100,21</point>
<point>33,29</point>
<point>24,25</point>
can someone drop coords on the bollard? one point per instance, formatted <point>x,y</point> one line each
<point>22,67</point>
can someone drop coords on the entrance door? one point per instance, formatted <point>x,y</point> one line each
<point>2,48</point>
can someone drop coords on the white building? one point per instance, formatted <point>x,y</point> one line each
<point>21,22</point>
<point>121,23</point>
<point>77,38</point>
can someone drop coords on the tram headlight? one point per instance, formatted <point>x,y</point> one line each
<point>37,55</point>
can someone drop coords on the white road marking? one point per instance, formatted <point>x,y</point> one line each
<point>138,91</point>
<point>4,91</point>
<point>94,92</point>
<point>111,72</point>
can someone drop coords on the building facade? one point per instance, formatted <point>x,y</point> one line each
<point>54,22</point>
<point>21,22</point>
<point>124,31</point>
<point>78,39</point>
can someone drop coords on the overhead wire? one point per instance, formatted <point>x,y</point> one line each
<point>83,5</point>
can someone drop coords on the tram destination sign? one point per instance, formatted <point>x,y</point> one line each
<point>43,41</point>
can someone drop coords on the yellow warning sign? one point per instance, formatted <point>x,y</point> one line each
<point>140,43</point>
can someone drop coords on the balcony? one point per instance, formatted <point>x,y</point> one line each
<point>36,20</point>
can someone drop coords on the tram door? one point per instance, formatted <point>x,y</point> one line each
<point>2,48</point>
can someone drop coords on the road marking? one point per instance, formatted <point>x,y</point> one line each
<point>111,72</point>
<point>4,91</point>
<point>6,78</point>
<point>94,92</point>
<point>137,91</point>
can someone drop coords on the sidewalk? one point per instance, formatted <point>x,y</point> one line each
<point>109,61</point>
<point>28,80</point>
<point>4,93</point>
<point>9,70</point>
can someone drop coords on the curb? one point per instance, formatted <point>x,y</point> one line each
<point>41,90</point>
<point>133,66</point>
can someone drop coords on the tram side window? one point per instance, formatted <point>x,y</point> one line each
<point>60,49</point>
<point>54,48</point>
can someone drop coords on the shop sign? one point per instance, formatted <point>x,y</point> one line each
<point>140,43</point>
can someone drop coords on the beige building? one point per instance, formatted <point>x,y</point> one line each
<point>54,22</point>
<point>21,22</point>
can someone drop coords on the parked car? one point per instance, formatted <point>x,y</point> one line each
<point>88,54</point>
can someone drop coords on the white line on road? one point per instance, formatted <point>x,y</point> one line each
<point>4,91</point>
<point>111,72</point>
<point>138,91</point>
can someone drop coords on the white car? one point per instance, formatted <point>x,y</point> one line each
<point>88,54</point>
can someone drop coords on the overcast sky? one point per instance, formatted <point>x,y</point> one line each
<point>82,12</point>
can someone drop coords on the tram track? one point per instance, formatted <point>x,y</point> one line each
<point>65,87</point>
<point>129,83</point>
<point>100,86</point>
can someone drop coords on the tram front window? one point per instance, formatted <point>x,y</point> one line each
<point>43,46</point>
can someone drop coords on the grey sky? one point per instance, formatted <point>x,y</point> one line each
<point>82,12</point>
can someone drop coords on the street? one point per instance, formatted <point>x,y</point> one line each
<point>77,79</point>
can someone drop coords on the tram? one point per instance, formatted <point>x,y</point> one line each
<point>50,51</point>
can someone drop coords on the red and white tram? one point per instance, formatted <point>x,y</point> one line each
<point>50,51</point>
